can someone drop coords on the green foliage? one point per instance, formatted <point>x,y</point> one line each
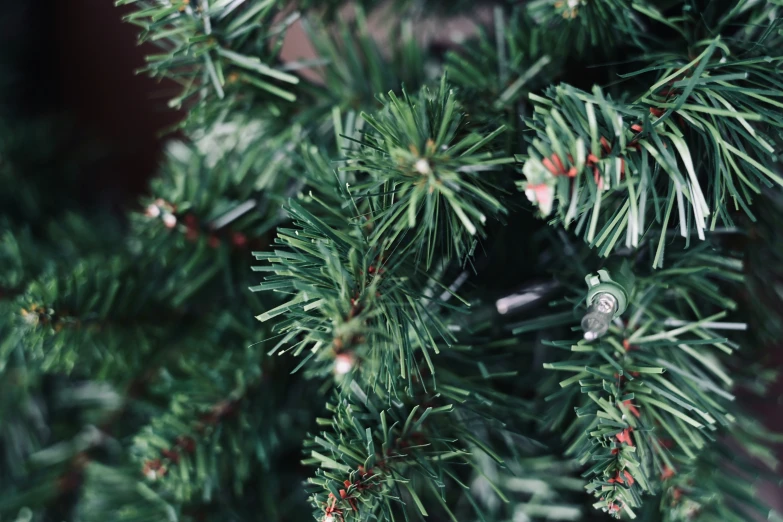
<point>216,50</point>
<point>51,430</point>
<point>375,457</point>
<point>346,298</point>
<point>114,493</point>
<point>617,169</point>
<point>584,26</point>
<point>114,324</point>
<point>137,385</point>
<point>497,72</point>
<point>215,407</point>
<point>189,204</point>
<point>350,267</point>
<point>719,485</point>
<point>374,464</point>
<point>653,394</point>
<point>429,176</point>
<point>356,67</point>
<point>15,259</point>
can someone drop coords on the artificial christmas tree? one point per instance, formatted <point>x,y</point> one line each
<point>503,281</point>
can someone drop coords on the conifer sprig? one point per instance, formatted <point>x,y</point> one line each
<point>586,25</point>
<point>720,484</point>
<point>357,67</point>
<point>684,155</point>
<point>654,391</point>
<point>431,183</point>
<point>215,50</point>
<point>495,73</point>
<point>80,320</point>
<point>178,454</point>
<point>378,454</point>
<point>346,297</point>
<point>350,265</point>
<point>183,208</point>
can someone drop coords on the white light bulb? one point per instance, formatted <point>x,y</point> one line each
<point>30,318</point>
<point>343,364</point>
<point>596,321</point>
<point>329,518</point>
<point>153,211</point>
<point>422,166</point>
<point>170,220</point>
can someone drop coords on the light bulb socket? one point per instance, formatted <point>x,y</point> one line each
<point>619,288</point>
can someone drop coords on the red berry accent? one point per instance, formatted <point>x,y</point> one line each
<point>624,437</point>
<point>633,409</point>
<point>549,166</point>
<point>172,455</point>
<point>560,167</point>
<point>239,239</point>
<point>187,444</point>
<point>155,466</point>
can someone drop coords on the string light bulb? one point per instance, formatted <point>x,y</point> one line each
<point>152,211</point>
<point>607,298</point>
<point>343,363</point>
<point>422,166</point>
<point>599,316</point>
<point>170,220</point>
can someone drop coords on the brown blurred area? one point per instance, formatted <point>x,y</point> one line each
<point>97,56</point>
<point>94,56</point>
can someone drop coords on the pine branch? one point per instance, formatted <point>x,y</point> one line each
<point>357,67</point>
<point>584,26</point>
<point>113,493</point>
<point>495,73</point>
<point>43,457</point>
<point>377,456</point>
<point>428,177</point>
<point>617,169</point>
<point>189,202</point>
<point>346,296</point>
<point>350,264</point>
<point>83,319</point>
<point>222,427</point>
<point>653,392</point>
<point>218,51</point>
<point>721,484</point>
